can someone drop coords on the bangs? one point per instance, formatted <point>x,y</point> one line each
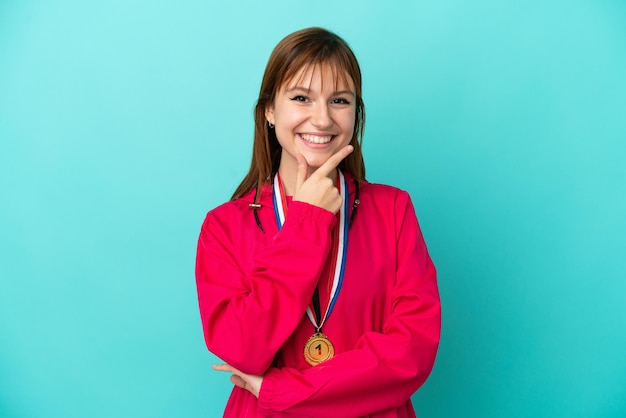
<point>340,77</point>
<point>337,60</point>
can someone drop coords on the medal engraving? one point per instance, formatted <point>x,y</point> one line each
<point>318,349</point>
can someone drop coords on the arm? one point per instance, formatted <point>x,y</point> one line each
<point>248,315</point>
<point>384,369</point>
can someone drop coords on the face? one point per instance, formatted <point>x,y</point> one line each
<point>314,115</point>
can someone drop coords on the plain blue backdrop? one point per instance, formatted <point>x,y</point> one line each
<point>123,122</point>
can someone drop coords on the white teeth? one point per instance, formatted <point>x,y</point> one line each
<point>316,139</point>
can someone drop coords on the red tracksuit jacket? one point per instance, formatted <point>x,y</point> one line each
<point>254,289</point>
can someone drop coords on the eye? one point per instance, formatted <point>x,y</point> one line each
<point>340,100</point>
<point>300,98</point>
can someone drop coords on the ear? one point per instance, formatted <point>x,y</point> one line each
<point>269,114</point>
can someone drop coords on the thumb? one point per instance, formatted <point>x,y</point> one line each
<point>303,169</point>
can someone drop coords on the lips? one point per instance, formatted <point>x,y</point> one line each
<point>316,139</point>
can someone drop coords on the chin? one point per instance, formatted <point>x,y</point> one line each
<point>317,160</point>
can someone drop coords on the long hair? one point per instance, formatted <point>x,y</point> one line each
<point>299,50</point>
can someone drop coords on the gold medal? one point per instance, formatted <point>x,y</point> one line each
<point>318,349</point>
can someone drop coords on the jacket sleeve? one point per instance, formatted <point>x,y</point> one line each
<point>385,368</point>
<point>248,312</point>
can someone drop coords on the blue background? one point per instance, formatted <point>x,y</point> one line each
<point>123,122</point>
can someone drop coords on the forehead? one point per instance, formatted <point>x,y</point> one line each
<point>322,75</point>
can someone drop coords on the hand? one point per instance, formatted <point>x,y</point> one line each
<point>319,189</point>
<point>252,383</point>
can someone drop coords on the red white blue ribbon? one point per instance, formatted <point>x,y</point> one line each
<point>280,206</point>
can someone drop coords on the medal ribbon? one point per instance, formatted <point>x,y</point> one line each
<point>280,209</point>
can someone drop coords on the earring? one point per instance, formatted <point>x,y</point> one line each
<point>270,124</point>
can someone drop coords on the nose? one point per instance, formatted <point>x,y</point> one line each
<point>321,117</point>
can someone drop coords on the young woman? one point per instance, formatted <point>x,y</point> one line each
<point>315,287</point>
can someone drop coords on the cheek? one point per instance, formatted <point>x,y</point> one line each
<point>288,121</point>
<point>349,123</point>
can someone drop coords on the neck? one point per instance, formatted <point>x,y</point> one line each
<point>289,173</point>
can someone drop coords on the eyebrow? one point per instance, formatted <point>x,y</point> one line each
<point>307,91</point>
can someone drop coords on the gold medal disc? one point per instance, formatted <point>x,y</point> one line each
<point>318,349</point>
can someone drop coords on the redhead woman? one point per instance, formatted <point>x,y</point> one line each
<point>315,286</point>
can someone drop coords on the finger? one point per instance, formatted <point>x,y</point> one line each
<point>238,381</point>
<point>224,368</point>
<point>334,160</point>
<point>243,383</point>
<point>303,169</point>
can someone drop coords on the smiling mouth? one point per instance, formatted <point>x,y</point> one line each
<point>317,139</point>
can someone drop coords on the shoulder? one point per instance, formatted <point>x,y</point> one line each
<point>382,201</point>
<point>384,193</point>
<point>231,208</point>
<point>230,214</point>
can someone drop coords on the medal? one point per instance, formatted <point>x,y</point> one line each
<point>319,348</point>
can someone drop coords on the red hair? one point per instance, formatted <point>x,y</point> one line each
<point>297,51</point>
